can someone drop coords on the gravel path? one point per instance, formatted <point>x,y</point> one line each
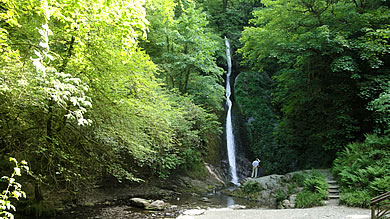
<point>325,212</point>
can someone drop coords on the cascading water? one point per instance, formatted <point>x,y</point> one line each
<point>229,126</point>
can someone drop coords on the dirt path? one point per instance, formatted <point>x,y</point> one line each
<point>325,212</point>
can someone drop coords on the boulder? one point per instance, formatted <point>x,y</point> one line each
<point>205,199</point>
<point>140,202</point>
<point>157,205</point>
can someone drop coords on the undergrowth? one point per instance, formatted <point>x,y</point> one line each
<point>363,170</point>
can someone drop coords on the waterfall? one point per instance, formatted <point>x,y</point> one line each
<point>229,127</point>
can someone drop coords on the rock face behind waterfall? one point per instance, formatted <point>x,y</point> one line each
<point>252,92</point>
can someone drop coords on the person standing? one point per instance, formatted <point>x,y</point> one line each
<point>255,167</point>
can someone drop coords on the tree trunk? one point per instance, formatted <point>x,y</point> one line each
<point>187,76</point>
<point>224,5</point>
<point>49,128</point>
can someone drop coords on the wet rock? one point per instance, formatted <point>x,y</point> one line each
<point>157,205</point>
<point>139,202</point>
<point>205,199</point>
<point>108,203</point>
<point>89,204</point>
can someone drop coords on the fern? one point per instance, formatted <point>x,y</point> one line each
<point>380,185</point>
<point>365,166</point>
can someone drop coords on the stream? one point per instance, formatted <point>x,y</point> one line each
<point>122,209</point>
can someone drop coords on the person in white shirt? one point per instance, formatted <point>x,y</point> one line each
<point>255,167</point>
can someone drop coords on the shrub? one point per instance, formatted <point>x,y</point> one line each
<point>315,190</point>
<point>280,195</point>
<point>299,178</point>
<point>250,187</point>
<point>363,166</point>
<point>380,185</point>
<point>308,199</point>
<point>291,188</point>
<point>317,184</point>
<point>355,198</point>
<point>13,189</point>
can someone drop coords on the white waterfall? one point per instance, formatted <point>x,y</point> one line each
<point>229,126</point>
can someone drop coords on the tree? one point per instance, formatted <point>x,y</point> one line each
<point>328,55</point>
<point>186,52</point>
<point>80,98</point>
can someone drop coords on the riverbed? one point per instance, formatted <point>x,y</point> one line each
<point>177,204</point>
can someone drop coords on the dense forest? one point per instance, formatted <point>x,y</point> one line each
<point>133,89</point>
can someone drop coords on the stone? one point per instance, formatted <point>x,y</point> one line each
<point>205,199</point>
<point>60,209</point>
<point>286,203</point>
<point>89,204</point>
<point>236,207</point>
<point>292,200</point>
<point>139,202</point>
<point>157,205</point>
<point>194,212</point>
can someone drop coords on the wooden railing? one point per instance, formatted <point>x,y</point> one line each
<point>380,206</point>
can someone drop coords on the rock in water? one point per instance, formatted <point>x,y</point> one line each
<point>205,199</point>
<point>158,205</point>
<point>139,202</point>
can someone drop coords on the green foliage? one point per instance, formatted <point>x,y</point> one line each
<point>13,189</point>
<point>315,189</point>
<point>229,17</point>
<point>251,187</point>
<point>67,65</point>
<point>380,185</point>
<point>252,95</point>
<point>317,184</point>
<point>355,198</point>
<point>184,49</point>
<point>299,179</point>
<point>193,163</point>
<point>325,73</point>
<point>280,195</point>
<point>363,166</point>
<point>40,209</point>
<point>308,199</point>
<point>381,107</point>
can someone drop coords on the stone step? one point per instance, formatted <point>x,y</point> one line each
<point>333,186</point>
<point>332,182</point>
<point>333,190</point>
<point>333,196</point>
